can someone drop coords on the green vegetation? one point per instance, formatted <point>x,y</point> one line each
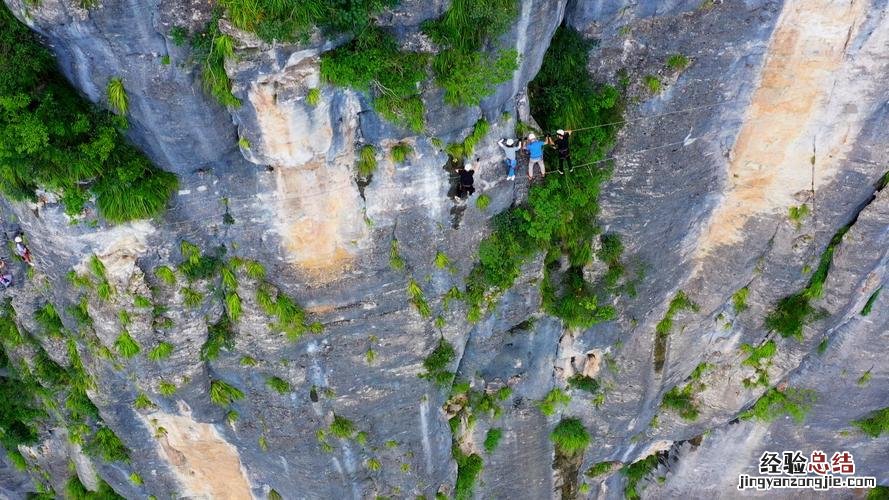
<point>878,493</point>
<point>441,260</point>
<point>774,403</point>
<point>395,260</point>
<point>126,345</point>
<point>560,215</point>
<point>492,439</point>
<point>278,384</point>
<point>313,97</point>
<point>680,302</point>
<point>52,138</point>
<point>401,151</point>
<point>553,400</point>
<point>75,490</point>
<point>179,35</point>
<point>415,293</point>
<point>652,83</point>
<point>342,427</point>
<point>462,67</point>
<point>373,464</point>
<point>165,274</point>
<point>682,402</point>
<point>191,297</point>
<point>219,336</point>
<point>739,300</point>
<point>436,363</point>
<point>570,436</point>
<point>584,383</point>
<point>165,59</point>
<point>142,402</point>
<point>117,96</point>
<point>864,378</point>
<point>677,62</point>
<point>162,350</point>
<point>292,22</point>
<point>482,201</point>
<point>797,214</point>
<point>468,469</point>
<point>166,388</point>
<point>223,393</point>
<point>795,311</point>
<point>599,469</point>
<point>212,48</point>
<point>255,270</point>
<point>869,305</point>
<point>636,472</point>
<point>107,445</point>
<point>760,359</point>
<point>875,424</point>
<point>367,161</point>
<point>291,318</point>
<point>49,319</point>
<point>373,62</point>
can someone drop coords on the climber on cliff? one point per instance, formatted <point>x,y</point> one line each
<point>5,275</point>
<point>535,150</point>
<point>465,183</point>
<point>509,147</point>
<point>561,143</point>
<point>22,250</point>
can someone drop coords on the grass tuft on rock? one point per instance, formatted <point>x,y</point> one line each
<point>570,436</point>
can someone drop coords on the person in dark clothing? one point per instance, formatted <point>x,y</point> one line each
<point>465,183</point>
<point>561,143</point>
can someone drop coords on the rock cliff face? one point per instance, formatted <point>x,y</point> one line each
<point>782,104</point>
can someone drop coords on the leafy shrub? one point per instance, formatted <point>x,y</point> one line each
<point>492,439</point>
<point>758,354</point>
<point>117,95</point>
<point>875,424</point>
<point>570,436</point>
<point>677,62</point>
<point>482,202</point>
<point>126,345</point>
<point>373,63</point>
<point>212,48</point>
<point>794,311</point>
<point>162,350</point>
<point>680,302</point>
<point>554,399</point>
<point>223,393</point>
<point>342,427</point>
<point>775,403</point>
<point>468,469</point>
<point>75,490</point>
<point>560,215</point>
<point>436,363</point>
<point>401,151</point>
<point>583,382</point>
<point>278,384</point>
<point>636,472</point>
<point>49,319</point>
<point>367,161</point>
<point>599,468</point>
<point>682,401</point>
<point>465,72</point>
<point>107,445</point>
<point>51,138</point>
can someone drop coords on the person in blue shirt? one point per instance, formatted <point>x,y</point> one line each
<point>535,150</point>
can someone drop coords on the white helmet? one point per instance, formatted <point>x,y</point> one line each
<point>532,136</point>
<point>18,239</point>
<point>467,166</point>
<point>509,142</point>
<point>560,132</point>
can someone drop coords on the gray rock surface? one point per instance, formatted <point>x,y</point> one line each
<point>686,159</point>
